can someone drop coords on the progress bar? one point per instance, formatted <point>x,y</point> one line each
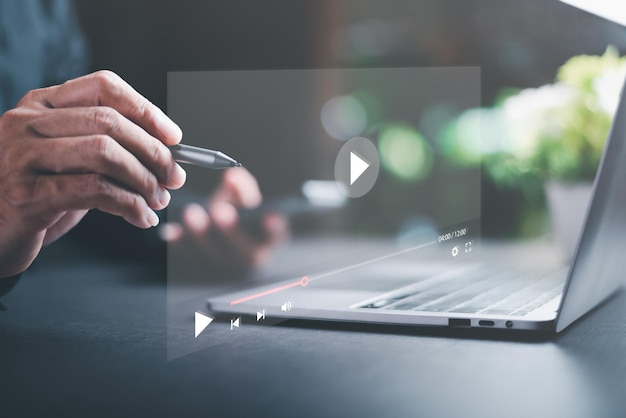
<point>302,282</point>
<point>306,279</point>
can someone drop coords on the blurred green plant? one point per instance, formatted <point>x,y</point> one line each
<point>572,153</point>
<point>556,131</point>
<point>553,132</point>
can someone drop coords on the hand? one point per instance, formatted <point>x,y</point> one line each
<point>215,233</point>
<point>92,142</point>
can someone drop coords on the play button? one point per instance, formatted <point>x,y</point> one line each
<point>201,322</point>
<point>356,167</point>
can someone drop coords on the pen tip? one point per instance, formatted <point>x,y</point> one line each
<point>237,164</point>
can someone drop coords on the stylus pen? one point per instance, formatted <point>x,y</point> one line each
<point>202,157</point>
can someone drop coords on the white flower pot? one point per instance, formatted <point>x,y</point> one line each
<point>567,203</point>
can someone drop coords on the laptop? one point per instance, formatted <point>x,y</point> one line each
<point>376,127</point>
<point>399,288</point>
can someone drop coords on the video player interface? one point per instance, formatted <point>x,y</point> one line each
<point>356,163</point>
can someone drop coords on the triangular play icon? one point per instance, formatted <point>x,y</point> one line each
<point>357,167</point>
<point>202,321</point>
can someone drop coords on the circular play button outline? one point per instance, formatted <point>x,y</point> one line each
<point>356,167</point>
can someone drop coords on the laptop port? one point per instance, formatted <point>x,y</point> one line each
<point>485,323</point>
<point>459,322</point>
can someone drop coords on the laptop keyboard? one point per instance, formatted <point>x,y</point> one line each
<point>481,290</point>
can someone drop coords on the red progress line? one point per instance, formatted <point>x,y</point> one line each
<point>306,279</point>
<point>302,282</point>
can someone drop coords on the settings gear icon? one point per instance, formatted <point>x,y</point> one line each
<point>455,251</point>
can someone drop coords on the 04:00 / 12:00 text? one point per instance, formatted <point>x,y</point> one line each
<point>450,235</point>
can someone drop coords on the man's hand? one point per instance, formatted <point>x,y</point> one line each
<point>214,233</point>
<point>92,142</point>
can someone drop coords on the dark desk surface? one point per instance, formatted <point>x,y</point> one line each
<point>83,338</point>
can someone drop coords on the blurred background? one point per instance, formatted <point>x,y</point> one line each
<point>518,44</point>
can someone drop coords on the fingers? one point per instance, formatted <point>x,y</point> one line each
<point>239,188</point>
<point>277,228</point>
<point>235,240</point>
<point>111,153</point>
<point>105,88</point>
<point>63,225</point>
<point>218,236</point>
<point>61,193</point>
<point>99,154</point>
<point>197,222</point>
<point>225,218</point>
<point>171,232</point>
<point>83,121</point>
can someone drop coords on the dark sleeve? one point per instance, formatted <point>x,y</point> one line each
<point>41,44</point>
<point>67,51</point>
<point>5,287</point>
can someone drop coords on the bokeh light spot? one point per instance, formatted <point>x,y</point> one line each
<point>344,117</point>
<point>404,152</point>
